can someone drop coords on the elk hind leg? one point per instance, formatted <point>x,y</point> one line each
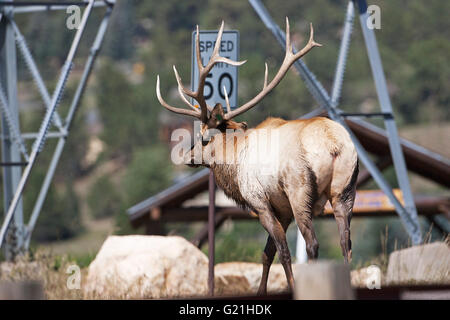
<point>343,216</point>
<point>303,204</point>
<point>342,203</point>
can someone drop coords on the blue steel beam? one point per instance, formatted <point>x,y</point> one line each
<point>391,127</point>
<point>343,54</point>
<point>11,128</point>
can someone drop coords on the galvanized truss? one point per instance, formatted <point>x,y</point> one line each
<point>14,233</point>
<point>408,212</point>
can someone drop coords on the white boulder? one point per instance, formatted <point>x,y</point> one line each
<point>138,267</point>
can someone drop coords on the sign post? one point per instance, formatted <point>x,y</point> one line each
<point>211,231</point>
<point>221,74</point>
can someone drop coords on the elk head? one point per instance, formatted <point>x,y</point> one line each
<point>215,117</point>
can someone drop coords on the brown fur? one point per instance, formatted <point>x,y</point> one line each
<point>271,122</point>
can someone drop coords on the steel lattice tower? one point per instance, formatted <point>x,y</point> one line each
<point>17,162</point>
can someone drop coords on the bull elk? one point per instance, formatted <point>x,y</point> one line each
<point>315,161</point>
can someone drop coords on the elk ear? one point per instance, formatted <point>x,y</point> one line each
<point>217,116</point>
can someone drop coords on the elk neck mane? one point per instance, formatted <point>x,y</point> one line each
<point>226,176</point>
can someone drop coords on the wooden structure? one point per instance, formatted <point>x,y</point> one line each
<point>167,206</point>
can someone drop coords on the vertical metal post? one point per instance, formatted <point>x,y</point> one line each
<point>392,134</point>
<point>10,150</point>
<point>211,231</point>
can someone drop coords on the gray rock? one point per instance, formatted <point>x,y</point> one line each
<point>425,264</point>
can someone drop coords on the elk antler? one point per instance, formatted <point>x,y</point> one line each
<point>289,59</point>
<point>203,72</point>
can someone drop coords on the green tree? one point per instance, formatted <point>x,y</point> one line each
<point>149,172</point>
<point>128,113</point>
<point>104,200</point>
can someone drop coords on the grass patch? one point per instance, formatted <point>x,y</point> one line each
<point>51,270</point>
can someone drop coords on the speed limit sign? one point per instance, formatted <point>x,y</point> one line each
<point>221,74</point>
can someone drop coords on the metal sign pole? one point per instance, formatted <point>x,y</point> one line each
<point>221,75</point>
<point>211,231</point>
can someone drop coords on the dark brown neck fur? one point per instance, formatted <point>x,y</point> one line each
<point>226,179</point>
<point>226,174</point>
